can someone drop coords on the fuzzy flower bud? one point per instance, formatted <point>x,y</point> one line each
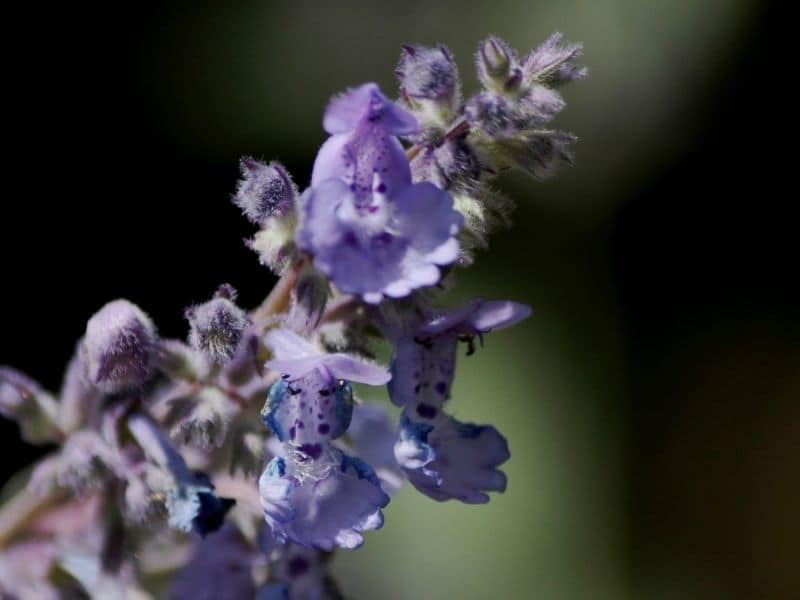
<point>201,420</point>
<point>429,80</point>
<point>265,191</point>
<point>309,298</point>
<point>499,69</point>
<point>117,349</point>
<point>495,62</point>
<point>216,327</point>
<point>553,63</point>
<point>29,404</point>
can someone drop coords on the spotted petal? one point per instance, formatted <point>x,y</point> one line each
<point>452,460</point>
<point>323,503</point>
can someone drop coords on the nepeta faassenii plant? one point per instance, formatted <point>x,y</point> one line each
<point>167,480</point>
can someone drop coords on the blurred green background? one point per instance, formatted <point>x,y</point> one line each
<point>650,402</point>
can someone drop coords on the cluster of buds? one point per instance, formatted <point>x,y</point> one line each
<point>235,463</point>
<point>465,143</point>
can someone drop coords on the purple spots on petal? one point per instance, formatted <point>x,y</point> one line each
<point>301,425</point>
<point>298,565</point>
<point>441,388</point>
<point>426,411</point>
<point>311,450</point>
<point>384,238</point>
<point>292,433</point>
<point>323,428</point>
<point>381,189</point>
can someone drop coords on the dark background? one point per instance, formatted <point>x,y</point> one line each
<point>672,307</point>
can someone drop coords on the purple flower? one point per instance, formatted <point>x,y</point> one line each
<point>372,434</point>
<point>117,349</point>
<point>449,460</point>
<point>424,361</point>
<point>296,357</point>
<point>442,457</point>
<point>372,231</point>
<point>322,500</point>
<point>312,403</point>
<point>317,496</point>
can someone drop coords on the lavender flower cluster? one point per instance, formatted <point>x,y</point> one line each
<point>158,438</point>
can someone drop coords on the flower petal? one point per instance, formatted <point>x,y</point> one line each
<point>330,508</point>
<point>453,460</point>
<point>346,112</point>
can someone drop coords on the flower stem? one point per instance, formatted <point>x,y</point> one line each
<point>278,299</point>
<point>20,510</point>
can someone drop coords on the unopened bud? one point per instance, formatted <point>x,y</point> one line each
<point>429,79</point>
<point>30,405</point>
<point>498,68</point>
<point>216,326</point>
<point>495,57</point>
<point>309,297</point>
<point>117,349</point>
<point>265,191</point>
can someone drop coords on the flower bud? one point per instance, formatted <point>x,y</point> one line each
<point>274,244</point>
<point>429,79</point>
<point>448,165</point>
<point>216,326</point>
<point>201,420</point>
<point>265,191</point>
<point>538,154</point>
<point>80,402</point>
<point>494,57</point>
<point>117,349</point>
<point>492,113</point>
<point>30,405</point>
<point>497,66</point>
<point>309,298</point>
<point>554,62</point>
